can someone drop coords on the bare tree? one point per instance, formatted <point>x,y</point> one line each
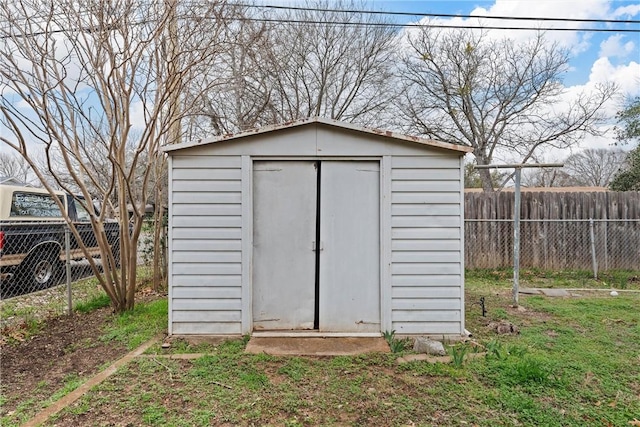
<point>242,94</point>
<point>463,87</point>
<point>302,63</point>
<point>15,167</point>
<point>595,167</point>
<point>323,64</point>
<point>77,78</point>
<point>547,177</point>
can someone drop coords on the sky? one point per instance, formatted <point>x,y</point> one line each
<point>594,57</point>
<point>620,50</point>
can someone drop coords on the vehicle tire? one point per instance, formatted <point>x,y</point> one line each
<point>42,269</point>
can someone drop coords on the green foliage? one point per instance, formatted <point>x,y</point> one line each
<point>389,336</point>
<point>396,345</point>
<point>496,350</point>
<point>536,277</point>
<point>154,414</point>
<point>629,119</point>
<point>295,368</point>
<point>136,326</point>
<point>569,366</point>
<point>99,301</point>
<point>458,353</point>
<point>628,179</point>
<point>71,382</point>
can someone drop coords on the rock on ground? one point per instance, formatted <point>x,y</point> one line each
<point>428,346</point>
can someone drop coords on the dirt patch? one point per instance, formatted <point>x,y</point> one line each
<point>67,348</point>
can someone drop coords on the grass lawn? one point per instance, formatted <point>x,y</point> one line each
<point>576,361</point>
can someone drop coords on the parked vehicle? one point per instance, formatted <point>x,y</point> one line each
<point>32,230</point>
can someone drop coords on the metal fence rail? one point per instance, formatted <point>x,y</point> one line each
<point>589,244</point>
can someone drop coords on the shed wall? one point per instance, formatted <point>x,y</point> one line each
<point>426,247</point>
<point>206,233</point>
<point>425,268</point>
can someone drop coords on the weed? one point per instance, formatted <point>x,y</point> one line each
<point>253,379</point>
<point>136,326</point>
<point>529,370</point>
<point>294,368</point>
<point>202,417</point>
<point>99,301</point>
<point>80,408</point>
<point>182,346</point>
<point>500,313</point>
<point>396,345</point>
<point>389,336</point>
<point>458,353</point>
<point>153,414</point>
<point>568,366</point>
<point>495,349</point>
<point>515,351</point>
<point>71,382</point>
<point>400,345</point>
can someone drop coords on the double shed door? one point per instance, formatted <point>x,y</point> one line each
<point>316,245</point>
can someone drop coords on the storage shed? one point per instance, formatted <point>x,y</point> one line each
<point>316,226</point>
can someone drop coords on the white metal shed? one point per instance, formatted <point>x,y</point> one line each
<point>316,225</point>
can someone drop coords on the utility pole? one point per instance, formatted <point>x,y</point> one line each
<point>516,215</point>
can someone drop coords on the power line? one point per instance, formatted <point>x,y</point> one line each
<point>354,23</point>
<point>441,15</point>
<point>452,26</point>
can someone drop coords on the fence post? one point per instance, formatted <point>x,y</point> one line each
<point>516,239</point>
<point>606,245</point>
<point>67,258</point>
<point>594,261</point>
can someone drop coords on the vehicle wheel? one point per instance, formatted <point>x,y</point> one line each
<point>42,270</point>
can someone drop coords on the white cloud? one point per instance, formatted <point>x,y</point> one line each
<point>615,46</point>
<point>576,42</point>
<point>626,76</point>
<point>627,11</point>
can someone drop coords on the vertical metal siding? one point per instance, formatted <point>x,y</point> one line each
<point>206,245</point>
<point>426,256</point>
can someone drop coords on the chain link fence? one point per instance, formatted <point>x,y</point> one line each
<point>36,256</point>
<point>40,255</point>
<point>597,245</point>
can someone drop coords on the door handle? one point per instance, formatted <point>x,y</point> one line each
<point>315,246</point>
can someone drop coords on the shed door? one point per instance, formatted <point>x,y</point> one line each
<point>298,284</point>
<point>284,215</point>
<point>350,236</point>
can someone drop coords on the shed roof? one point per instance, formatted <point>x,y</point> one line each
<point>460,149</point>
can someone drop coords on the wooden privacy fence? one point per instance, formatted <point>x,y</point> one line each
<point>563,230</point>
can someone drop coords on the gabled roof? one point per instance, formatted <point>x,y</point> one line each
<point>461,149</point>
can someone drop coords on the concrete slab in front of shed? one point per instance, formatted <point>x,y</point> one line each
<point>316,346</point>
<point>555,292</point>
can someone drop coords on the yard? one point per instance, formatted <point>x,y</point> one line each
<point>575,361</point>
